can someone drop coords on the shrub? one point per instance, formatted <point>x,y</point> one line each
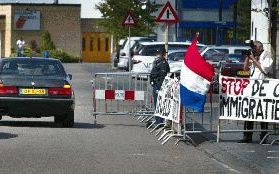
<point>63,56</point>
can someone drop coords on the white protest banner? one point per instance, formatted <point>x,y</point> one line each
<point>249,99</point>
<point>168,100</point>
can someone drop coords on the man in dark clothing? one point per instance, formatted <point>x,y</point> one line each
<point>158,73</point>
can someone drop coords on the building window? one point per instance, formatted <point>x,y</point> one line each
<point>91,43</point>
<point>83,44</point>
<point>107,44</point>
<point>99,44</point>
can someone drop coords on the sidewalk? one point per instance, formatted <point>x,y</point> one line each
<point>261,158</point>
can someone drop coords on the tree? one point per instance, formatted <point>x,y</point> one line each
<point>47,43</point>
<point>114,11</point>
<point>243,20</point>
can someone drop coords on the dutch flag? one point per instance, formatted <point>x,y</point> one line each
<point>195,78</point>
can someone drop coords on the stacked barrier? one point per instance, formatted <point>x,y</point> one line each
<point>121,93</point>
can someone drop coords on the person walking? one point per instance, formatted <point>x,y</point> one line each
<point>259,62</point>
<point>158,73</point>
<point>20,47</point>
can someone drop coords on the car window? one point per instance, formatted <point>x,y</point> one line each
<point>124,43</point>
<point>235,57</point>
<point>25,67</point>
<point>210,54</point>
<point>150,50</point>
<point>177,56</point>
<point>239,51</point>
<point>223,50</point>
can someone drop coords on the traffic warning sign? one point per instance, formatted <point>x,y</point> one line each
<point>129,20</point>
<point>167,14</point>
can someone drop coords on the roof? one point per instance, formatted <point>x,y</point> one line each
<point>39,4</point>
<point>21,58</point>
<point>229,46</point>
<point>173,43</point>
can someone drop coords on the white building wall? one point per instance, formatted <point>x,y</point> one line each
<point>260,23</point>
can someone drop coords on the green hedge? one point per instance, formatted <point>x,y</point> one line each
<point>57,54</point>
<point>63,56</point>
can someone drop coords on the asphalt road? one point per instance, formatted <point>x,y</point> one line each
<point>116,144</point>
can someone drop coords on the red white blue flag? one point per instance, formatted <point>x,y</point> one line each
<point>195,78</point>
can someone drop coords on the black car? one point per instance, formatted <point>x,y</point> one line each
<point>36,87</point>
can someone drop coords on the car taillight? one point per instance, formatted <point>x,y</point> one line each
<point>137,61</point>
<point>6,90</point>
<point>65,90</point>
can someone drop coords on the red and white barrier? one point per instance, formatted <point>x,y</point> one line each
<point>119,95</point>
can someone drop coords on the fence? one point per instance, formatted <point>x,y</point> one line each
<point>131,94</point>
<point>205,123</point>
<point>121,93</point>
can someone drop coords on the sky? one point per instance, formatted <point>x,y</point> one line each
<point>87,6</point>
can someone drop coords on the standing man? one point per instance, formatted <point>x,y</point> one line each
<point>20,47</point>
<point>158,73</point>
<point>260,63</point>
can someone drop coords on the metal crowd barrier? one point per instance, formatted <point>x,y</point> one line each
<point>121,93</point>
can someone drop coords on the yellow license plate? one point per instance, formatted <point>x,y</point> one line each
<point>33,91</point>
<point>243,73</point>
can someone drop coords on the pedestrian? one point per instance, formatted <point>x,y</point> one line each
<point>20,47</point>
<point>259,62</point>
<point>158,73</point>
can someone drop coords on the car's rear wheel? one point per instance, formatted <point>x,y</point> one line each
<point>65,120</point>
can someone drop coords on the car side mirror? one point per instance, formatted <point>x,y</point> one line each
<point>70,76</point>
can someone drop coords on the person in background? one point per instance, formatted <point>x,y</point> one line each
<point>20,47</point>
<point>158,73</point>
<point>259,62</point>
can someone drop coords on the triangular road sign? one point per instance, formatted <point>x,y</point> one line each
<point>129,20</point>
<point>167,14</point>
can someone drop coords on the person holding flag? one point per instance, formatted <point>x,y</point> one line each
<point>195,78</point>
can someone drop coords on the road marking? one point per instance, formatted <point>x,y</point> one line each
<point>273,151</point>
<point>272,157</point>
<point>226,166</point>
<point>251,151</point>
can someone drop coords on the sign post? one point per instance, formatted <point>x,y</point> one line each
<point>168,16</point>
<point>129,21</point>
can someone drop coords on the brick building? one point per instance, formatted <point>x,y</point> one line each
<point>29,21</point>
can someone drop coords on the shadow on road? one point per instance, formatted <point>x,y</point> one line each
<point>7,135</point>
<point>125,125</point>
<point>45,124</point>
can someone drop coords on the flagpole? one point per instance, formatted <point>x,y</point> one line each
<point>129,54</point>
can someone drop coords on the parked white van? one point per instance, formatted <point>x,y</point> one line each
<point>226,49</point>
<point>125,53</point>
<point>143,60</point>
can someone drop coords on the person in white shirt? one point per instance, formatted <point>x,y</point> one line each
<point>259,62</point>
<point>20,47</point>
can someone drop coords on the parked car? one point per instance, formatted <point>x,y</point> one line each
<point>175,59</point>
<point>125,52</point>
<point>142,62</point>
<point>233,66</point>
<point>116,54</point>
<point>36,87</point>
<point>226,49</point>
